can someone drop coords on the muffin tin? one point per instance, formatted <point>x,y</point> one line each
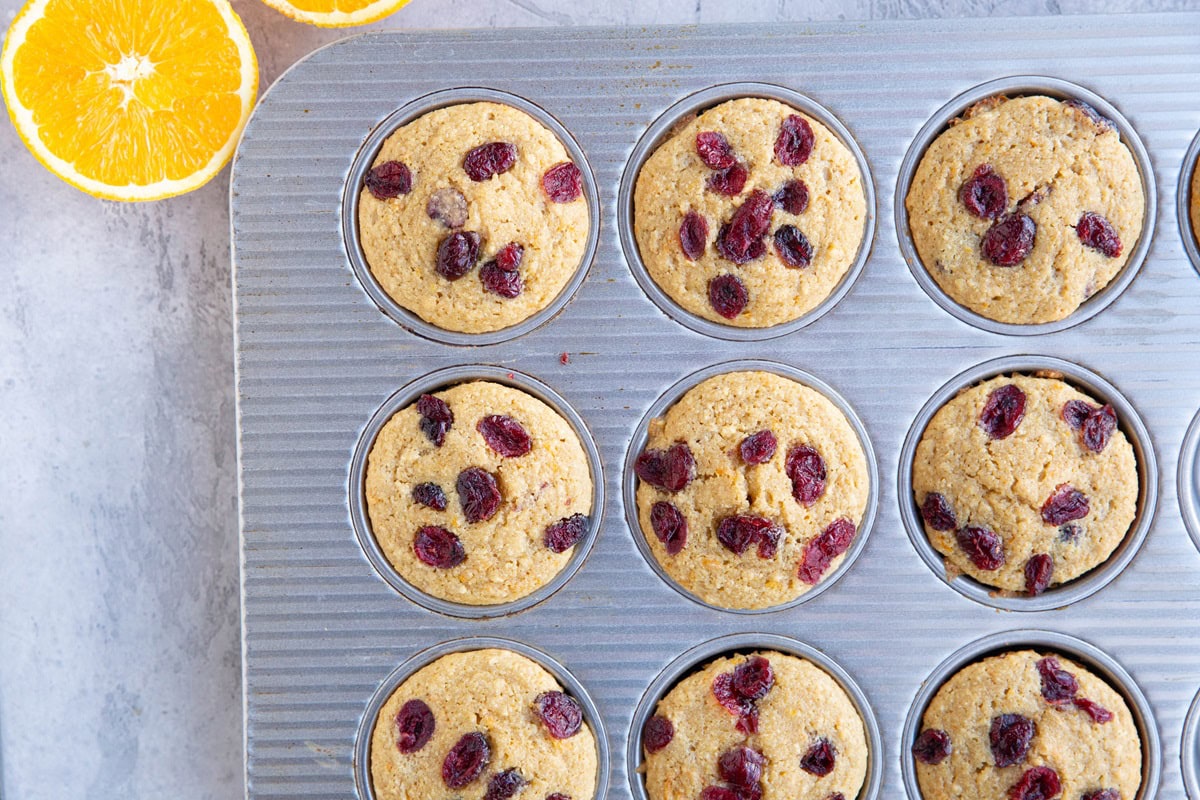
<point>316,359</point>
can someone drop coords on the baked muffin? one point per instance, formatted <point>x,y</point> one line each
<point>486,723</point>
<point>1025,482</point>
<point>1024,725</point>
<point>1024,208</point>
<point>473,217</point>
<point>764,725</point>
<point>478,493</point>
<point>751,489</point>
<point>1195,205</point>
<point>749,214</point>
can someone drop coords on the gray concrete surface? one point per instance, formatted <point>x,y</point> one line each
<point>119,637</point>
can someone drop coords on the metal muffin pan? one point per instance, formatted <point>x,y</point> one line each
<point>1183,198</point>
<point>316,357</point>
<point>1097,662</point>
<point>661,130</point>
<point>1128,422</point>
<point>362,164</point>
<point>444,379</point>
<point>629,480</point>
<point>571,685</point>
<point>705,653</point>
<point>1024,86</point>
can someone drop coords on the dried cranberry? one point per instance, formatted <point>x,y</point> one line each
<point>1069,532</point>
<point>727,295</point>
<point>438,547</point>
<point>738,532</point>
<point>1091,113</point>
<point>457,254</point>
<point>657,733</point>
<point>671,469</point>
<point>728,182</point>
<point>478,494</point>
<point>505,435</point>
<point>430,495</point>
<point>1098,428</point>
<point>466,760</point>
<point>564,534</point>
<point>488,160</point>
<point>805,468</point>
<point>718,793</point>
<point>509,257</point>
<point>792,197</point>
<point>563,183</point>
<point>414,726</point>
<point>932,746</point>
<point>1097,712</point>
<point>1058,685</point>
<point>715,150</point>
<point>1038,783</point>
<point>504,785</point>
<point>722,689</point>
<point>1010,737</point>
<point>793,246</point>
<point>1003,411</point>
<point>1075,413</point>
<point>1097,233</point>
<point>741,766</point>
<point>436,418</point>
<point>768,541</point>
<point>497,281</point>
<point>937,513</point>
<point>1065,505</point>
<point>984,193</point>
<point>836,796</point>
<point>560,713</point>
<point>821,552</point>
<point>982,546</point>
<point>1039,570</point>
<point>693,235</point>
<point>795,141</point>
<point>758,448</point>
<point>1009,240</point>
<point>741,240</point>
<point>819,759</point>
<point>670,526</point>
<point>389,179</point>
<point>447,206</point>
<point>558,796</point>
<point>753,678</point>
<point>1102,794</point>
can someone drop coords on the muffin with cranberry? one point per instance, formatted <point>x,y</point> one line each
<point>749,214</point>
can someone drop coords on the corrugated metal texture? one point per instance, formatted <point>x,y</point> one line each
<point>315,359</point>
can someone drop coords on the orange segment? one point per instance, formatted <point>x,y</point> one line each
<point>129,99</point>
<point>336,13</point>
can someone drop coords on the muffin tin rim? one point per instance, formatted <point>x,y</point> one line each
<point>366,153</point>
<point>671,396</point>
<point>1129,422</point>
<point>591,714</point>
<point>1009,641</point>
<point>1189,750</point>
<point>698,656</point>
<point>444,379</point>
<point>1187,174</point>
<point>1186,490</point>
<point>1024,86</point>
<point>656,134</point>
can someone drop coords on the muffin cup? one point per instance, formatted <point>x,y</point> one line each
<point>1189,750</point>
<point>1183,198</point>
<point>701,654</point>
<point>1017,86</point>
<point>362,163</point>
<point>629,480</point>
<point>660,130</point>
<point>1078,650</point>
<point>442,379</point>
<point>1186,487</point>
<point>1130,423</point>
<point>591,715</point>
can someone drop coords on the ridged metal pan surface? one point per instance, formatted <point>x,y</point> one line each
<point>316,358</point>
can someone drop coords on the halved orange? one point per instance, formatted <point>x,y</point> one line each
<point>129,99</point>
<point>336,13</point>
